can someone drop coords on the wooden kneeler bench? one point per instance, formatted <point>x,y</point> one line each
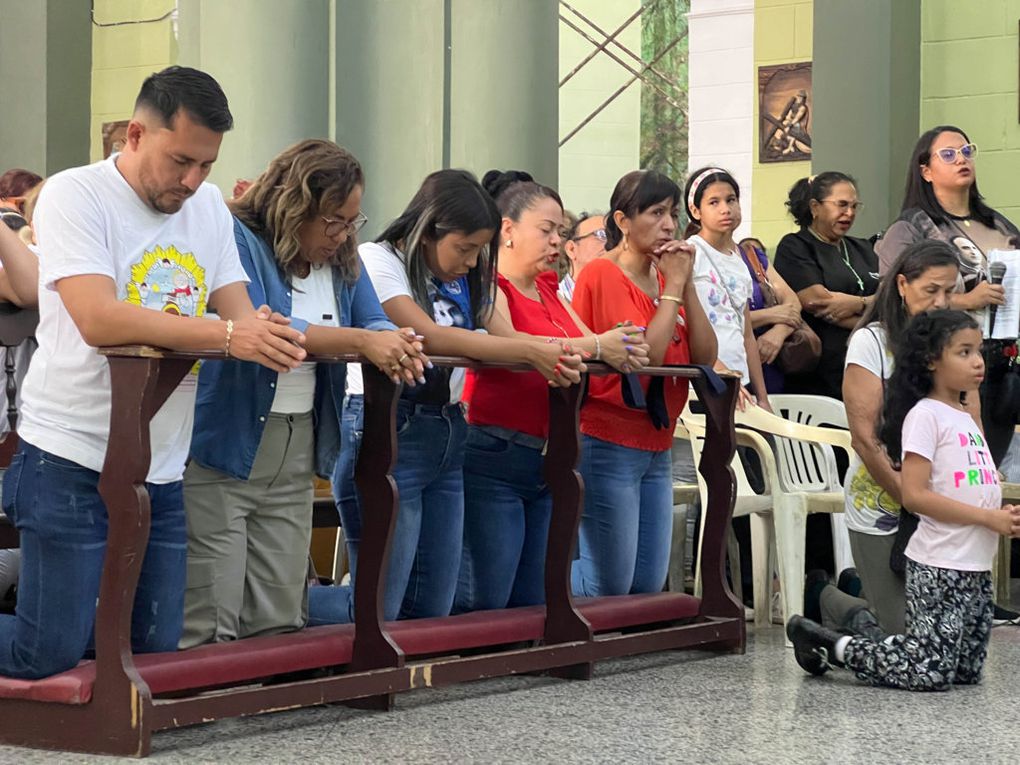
<point>113,704</point>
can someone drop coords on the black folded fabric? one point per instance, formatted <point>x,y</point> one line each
<point>654,400</point>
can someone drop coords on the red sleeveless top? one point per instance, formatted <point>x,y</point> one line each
<point>520,400</point>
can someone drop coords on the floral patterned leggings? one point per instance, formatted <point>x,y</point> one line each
<point>949,620</point>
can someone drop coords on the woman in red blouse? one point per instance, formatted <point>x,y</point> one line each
<point>507,505</point>
<point>645,278</point>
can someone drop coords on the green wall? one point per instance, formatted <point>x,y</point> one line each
<point>865,115</point>
<point>45,59</point>
<point>969,79</point>
<point>782,35</point>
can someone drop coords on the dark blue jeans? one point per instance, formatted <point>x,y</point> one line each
<point>627,522</point>
<point>56,507</point>
<point>507,507</point>
<point>425,551</point>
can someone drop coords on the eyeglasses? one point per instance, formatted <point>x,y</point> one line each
<point>949,154</point>
<point>335,228</point>
<point>842,205</point>
<point>599,233</point>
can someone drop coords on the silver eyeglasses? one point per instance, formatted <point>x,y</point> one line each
<point>335,228</point>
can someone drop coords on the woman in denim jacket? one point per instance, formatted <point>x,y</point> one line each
<point>259,437</point>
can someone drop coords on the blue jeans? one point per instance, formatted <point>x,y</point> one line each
<point>507,507</point>
<point>425,550</point>
<point>627,521</point>
<point>55,505</point>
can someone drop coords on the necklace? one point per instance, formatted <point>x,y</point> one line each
<point>845,253</point>
<point>964,219</point>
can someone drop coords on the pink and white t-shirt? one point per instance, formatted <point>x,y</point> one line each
<point>961,469</point>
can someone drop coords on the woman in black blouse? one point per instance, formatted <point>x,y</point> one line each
<point>834,275</point>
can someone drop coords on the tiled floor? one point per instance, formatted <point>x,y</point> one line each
<point>672,707</point>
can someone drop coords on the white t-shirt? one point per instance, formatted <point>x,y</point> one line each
<point>385,267</point>
<point>90,221</point>
<point>721,280</point>
<point>869,509</point>
<point>314,300</point>
<point>962,469</point>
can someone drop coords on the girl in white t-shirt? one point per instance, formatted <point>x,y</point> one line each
<point>948,478</point>
<point>722,280</point>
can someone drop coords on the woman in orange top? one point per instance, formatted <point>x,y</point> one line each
<point>644,277</point>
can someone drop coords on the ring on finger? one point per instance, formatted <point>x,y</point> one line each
<point>401,359</point>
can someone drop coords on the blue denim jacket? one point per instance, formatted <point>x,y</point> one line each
<point>234,397</point>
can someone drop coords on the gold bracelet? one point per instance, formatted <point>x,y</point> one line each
<point>674,298</point>
<point>230,331</point>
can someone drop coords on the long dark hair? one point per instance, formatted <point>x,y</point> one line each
<point>888,308</point>
<point>704,177</point>
<point>816,187</point>
<point>634,193</point>
<point>920,193</point>
<point>448,201</point>
<point>924,340</point>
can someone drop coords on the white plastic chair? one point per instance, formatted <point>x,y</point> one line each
<point>758,506</point>
<point>812,467</point>
<point>792,506</point>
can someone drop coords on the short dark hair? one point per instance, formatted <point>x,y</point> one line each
<point>920,194</point>
<point>634,193</point>
<point>181,87</point>
<point>816,187</point>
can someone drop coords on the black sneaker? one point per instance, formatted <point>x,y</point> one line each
<point>1002,616</point>
<point>813,645</point>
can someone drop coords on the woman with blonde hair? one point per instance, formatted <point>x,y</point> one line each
<point>259,437</point>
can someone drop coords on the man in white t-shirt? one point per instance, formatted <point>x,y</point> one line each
<point>133,249</point>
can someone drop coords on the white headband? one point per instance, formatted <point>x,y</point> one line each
<point>699,180</point>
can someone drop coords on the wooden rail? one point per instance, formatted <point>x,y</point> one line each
<point>119,700</point>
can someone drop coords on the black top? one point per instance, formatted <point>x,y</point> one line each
<point>804,261</point>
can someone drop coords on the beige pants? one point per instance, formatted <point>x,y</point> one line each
<point>248,540</point>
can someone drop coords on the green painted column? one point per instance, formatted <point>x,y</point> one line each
<point>271,58</point>
<point>45,88</point>
<point>444,83</point>
<point>866,92</point>
<point>504,86</point>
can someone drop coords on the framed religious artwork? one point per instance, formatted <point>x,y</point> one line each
<point>784,112</point>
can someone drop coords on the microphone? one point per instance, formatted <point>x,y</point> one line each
<point>996,273</point>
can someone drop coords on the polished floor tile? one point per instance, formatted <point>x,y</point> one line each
<point>669,707</point>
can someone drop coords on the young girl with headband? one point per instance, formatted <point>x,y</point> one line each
<point>722,280</point>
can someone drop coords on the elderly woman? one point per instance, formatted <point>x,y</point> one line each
<point>834,275</point>
<point>942,202</point>
<point>923,278</point>
<point>585,240</point>
<point>259,437</point>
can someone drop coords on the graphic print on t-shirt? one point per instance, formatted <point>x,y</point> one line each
<point>980,469</point>
<point>168,280</point>
<point>451,306</point>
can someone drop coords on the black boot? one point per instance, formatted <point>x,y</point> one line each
<point>862,621</point>
<point>814,646</point>
<point>814,583</point>
<point>849,582</point>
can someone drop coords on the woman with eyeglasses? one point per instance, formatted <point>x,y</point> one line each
<point>584,241</point>
<point>834,275</point>
<point>260,437</point>
<point>942,202</point>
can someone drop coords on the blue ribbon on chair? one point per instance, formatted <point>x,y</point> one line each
<point>654,401</point>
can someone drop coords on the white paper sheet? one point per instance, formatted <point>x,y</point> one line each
<point>1007,317</point>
